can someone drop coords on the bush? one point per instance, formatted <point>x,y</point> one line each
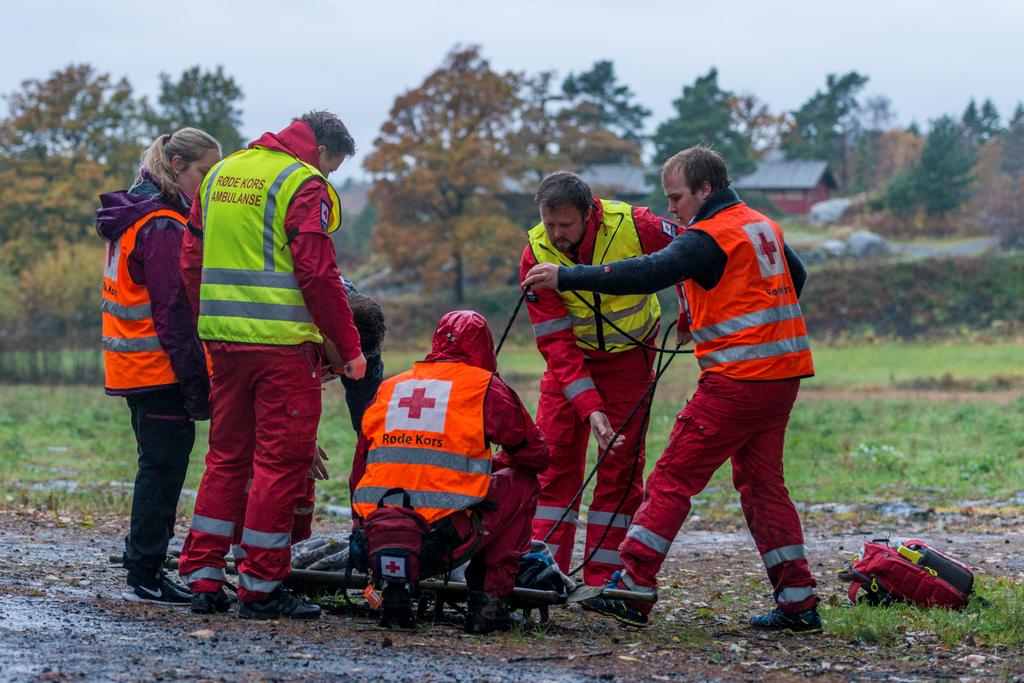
<point>914,299</point>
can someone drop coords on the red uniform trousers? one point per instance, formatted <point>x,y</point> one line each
<point>265,412</point>
<point>302,520</point>
<point>495,562</point>
<point>621,380</point>
<point>726,419</point>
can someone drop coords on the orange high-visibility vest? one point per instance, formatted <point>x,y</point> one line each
<point>132,355</point>
<point>426,434</point>
<point>749,326</point>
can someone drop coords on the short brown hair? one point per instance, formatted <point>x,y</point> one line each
<point>330,132</point>
<point>698,164</point>
<point>564,188</point>
<point>369,321</point>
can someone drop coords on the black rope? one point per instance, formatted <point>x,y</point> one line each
<point>647,399</point>
<point>508,327</point>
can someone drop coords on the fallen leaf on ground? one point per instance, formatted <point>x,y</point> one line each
<point>202,633</point>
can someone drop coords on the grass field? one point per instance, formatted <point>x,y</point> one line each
<point>72,447</point>
<point>927,424</point>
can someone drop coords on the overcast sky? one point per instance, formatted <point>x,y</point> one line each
<point>929,56</point>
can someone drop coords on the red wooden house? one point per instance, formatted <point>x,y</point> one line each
<point>792,184</point>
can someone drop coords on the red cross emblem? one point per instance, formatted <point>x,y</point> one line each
<point>417,402</point>
<point>392,567</point>
<point>768,248</point>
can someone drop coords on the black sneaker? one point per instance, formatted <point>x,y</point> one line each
<point>211,603</point>
<point>622,611</point>
<point>489,613</point>
<point>807,621</point>
<point>280,603</point>
<point>160,591</point>
<point>396,606</point>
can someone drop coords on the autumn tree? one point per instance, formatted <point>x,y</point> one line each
<point>65,140</point>
<point>207,100</point>
<point>438,167</point>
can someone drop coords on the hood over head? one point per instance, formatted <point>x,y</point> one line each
<point>120,210</point>
<point>464,337</point>
<point>297,139</point>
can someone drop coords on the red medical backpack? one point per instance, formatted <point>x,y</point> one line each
<point>912,572</point>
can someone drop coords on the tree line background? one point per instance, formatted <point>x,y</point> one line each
<point>450,167</point>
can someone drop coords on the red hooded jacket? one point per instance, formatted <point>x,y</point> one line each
<point>464,337</point>
<point>315,262</point>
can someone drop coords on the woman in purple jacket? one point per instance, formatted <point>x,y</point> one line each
<point>152,353</point>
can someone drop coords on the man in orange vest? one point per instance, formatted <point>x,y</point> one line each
<point>426,445</point>
<point>741,284</point>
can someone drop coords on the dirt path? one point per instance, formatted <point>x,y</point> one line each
<point>61,618</point>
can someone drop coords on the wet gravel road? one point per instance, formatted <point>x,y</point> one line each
<point>62,619</point>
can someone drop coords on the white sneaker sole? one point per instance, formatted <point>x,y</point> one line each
<point>132,596</point>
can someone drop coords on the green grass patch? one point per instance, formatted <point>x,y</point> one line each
<point>72,446</point>
<point>1001,624</point>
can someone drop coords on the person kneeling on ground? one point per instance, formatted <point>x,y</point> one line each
<point>428,494</point>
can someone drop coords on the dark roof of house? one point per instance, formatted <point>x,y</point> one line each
<point>624,179</point>
<point>787,174</point>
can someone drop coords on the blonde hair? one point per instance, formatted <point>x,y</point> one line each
<point>188,143</point>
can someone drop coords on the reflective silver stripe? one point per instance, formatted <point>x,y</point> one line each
<point>783,554</point>
<point>301,512</point>
<point>576,388</point>
<point>255,311</point>
<point>238,552</point>
<point>248,485</point>
<point>251,583</point>
<point>209,188</point>
<point>267,539</point>
<point>209,525</point>
<point>602,518</point>
<point>420,499</point>
<point>425,456</point>
<point>121,345</point>
<point>625,312</point>
<point>794,594</point>
<point>268,215</point>
<point>577,321</point>
<point>745,322</point>
<point>733,354</point>
<point>612,337</point>
<point>606,556</point>
<point>249,278</point>
<point>211,573</point>
<point>650,539</point>
<point>634,586</point>
<point>553,514</point>
<point>553,549</point>
<point>140,312</point>
<point>551,326</point>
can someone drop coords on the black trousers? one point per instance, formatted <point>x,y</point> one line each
<point>165,436</point>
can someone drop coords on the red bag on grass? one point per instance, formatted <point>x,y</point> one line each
<point>912,572</point>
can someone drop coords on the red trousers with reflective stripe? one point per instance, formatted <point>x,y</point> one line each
<point>302,524</point>
<point>265,413</point>
<point>726,419</point>
<point>621,381</point>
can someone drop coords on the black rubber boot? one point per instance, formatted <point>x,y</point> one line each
<point>488,613</point>
<point>280,603</point>
<point>396,608</point>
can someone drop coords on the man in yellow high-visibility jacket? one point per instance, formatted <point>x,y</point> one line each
<point>267,293</point>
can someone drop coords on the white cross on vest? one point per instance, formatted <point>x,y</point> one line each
<point>419,405</point>
<point>767,248</point>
